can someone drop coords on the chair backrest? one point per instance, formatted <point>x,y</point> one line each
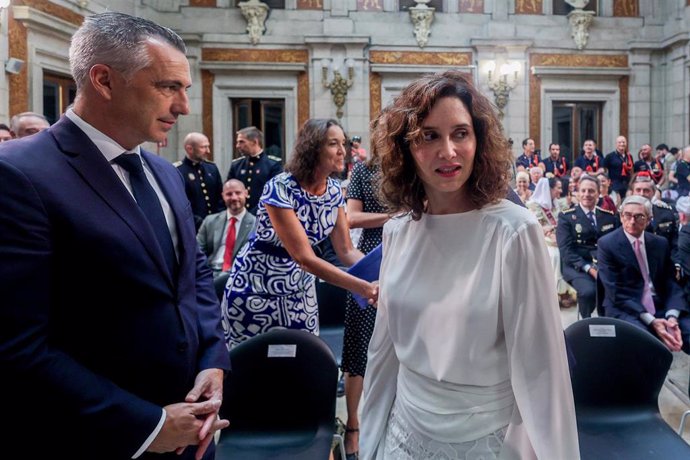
<point>332,301</point>
<point>283,380</point>
<point>615,363</point>
<point>219,284</point>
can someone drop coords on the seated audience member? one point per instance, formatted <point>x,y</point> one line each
<point>577,233</point>
<point>663,220</point>
<point>27,123</point>
<point>222,234</point>
<point>638,278</point>
<point>606,196</point>
<point>5,134</point>
<point>535,173</point>
<point>522,186</point>
<point>543,205</point>
<point>683,209</point>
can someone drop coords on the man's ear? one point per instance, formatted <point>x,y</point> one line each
<point>101,77</point>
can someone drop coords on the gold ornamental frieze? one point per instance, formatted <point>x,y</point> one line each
<point>579,60</point>
<point>254,55</point>
<point>420,58</point>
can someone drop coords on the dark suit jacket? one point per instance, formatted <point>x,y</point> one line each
<point>210,235</point>
<point>622,279</point>
<point>95,335</point>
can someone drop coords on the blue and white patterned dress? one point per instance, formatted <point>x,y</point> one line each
<point>267,289</point>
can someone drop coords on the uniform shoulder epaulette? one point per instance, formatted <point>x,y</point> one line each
<point>237,159</point>
<point>177,164</point>
<point>662,204</point>
<point>209,162</point>
<point>569,210</point>
<point>275,158</point>
<point>608,211</point>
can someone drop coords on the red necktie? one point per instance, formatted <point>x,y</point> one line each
<point>647,300</point>
<point>229,245</point>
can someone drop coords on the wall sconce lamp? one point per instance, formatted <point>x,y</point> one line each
<point>501,85</point>
<point>338,85</point>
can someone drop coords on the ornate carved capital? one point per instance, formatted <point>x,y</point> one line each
<point>255,12</point>
<point>579,26</point>
<point>422,16</point>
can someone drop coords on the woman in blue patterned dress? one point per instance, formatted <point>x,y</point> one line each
<point>272,281</point>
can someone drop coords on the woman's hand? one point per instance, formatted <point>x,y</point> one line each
<point>369,291</point>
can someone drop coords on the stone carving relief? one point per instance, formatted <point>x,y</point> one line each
<point>422,16</point>
<point>255,12</point>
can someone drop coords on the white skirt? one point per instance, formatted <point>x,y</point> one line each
<point>404,443</point>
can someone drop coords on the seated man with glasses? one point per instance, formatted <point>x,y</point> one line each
<point>636,270</point>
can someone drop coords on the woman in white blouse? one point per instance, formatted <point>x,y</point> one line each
<point>467,359</point>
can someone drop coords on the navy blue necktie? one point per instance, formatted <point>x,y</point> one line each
<point>150,205</point>
<point>590,215</point>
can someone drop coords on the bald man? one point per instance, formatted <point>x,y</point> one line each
<point>213,233</point>
<point>27,123</point>
<point>203,183</point>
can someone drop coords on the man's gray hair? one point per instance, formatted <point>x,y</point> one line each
<point>14,121</point>
<point>637,199</point>
<point>117,40</point>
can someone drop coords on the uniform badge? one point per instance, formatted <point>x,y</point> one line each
<point>258,171</point>
<point>606,227</point>
<point>191,176</point>
<point>243,171</point>
<point>578,228</point>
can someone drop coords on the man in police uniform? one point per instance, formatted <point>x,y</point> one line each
<point>577,233</point>
<point>255,167</point>
<point>203,184</point>
<point>663,221</point>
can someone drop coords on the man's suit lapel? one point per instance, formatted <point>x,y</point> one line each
<point>218,227</point>
<point>245,228</point>
<point>93,168</point>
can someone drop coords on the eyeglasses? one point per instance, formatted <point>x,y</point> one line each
<point>637,217</point>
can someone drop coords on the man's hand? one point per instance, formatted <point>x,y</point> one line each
<point>593,272</point>
<point>208,385</point>
<point>669,333</point>
<point>183,422</point>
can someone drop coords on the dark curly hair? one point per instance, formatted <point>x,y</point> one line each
<point>398,129</point>
<point>306,153</point>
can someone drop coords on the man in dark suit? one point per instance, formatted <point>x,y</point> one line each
<point>111,345</point>
<point>213,234</point>
<point>639,278</point>
<point>577,233</point>
<point>202,181</point>
<point>255,167</point>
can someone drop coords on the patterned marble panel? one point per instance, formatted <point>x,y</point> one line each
<point>528,7</point>
<point>471,6</point>
<point>309,4</point>
<point>626,8</point>
<point>371,5</point>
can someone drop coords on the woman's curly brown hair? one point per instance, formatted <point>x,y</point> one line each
<point>398,128</point>
<point>306,153</point>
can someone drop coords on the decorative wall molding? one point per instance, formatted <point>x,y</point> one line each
<point>254,55</point>
<point>420,58</point>
<point>422,16</point>
<point>255,12</point>
<point>580,21</point>
<point>374,95</point>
